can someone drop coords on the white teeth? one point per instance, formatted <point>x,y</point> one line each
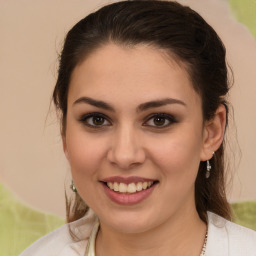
<point>129,188</point>
<point>144,185</point>
<point>110,185</point>
<point>139,186</point>
<point>116,186</point>
<point>122,188</point>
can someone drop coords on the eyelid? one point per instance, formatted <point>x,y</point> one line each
<point>85,117</point>
<point>169,117</point>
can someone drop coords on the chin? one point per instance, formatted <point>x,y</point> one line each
<point>129,223</point>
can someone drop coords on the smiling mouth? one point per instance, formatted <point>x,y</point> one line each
<point>130,188</point>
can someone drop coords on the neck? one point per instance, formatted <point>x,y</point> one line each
<point>183,234</point>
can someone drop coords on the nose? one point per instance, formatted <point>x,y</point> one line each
<point>126,151</point>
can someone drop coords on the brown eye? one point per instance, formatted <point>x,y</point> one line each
<point>159,121</point>
<point>98,120</point>
<point>95,120</point>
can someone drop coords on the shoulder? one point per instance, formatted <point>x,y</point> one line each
<point>228,238</point>
<point>60,243</point>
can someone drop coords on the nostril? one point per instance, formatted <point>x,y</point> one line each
<point>126,159</point>
<point>125,149</point>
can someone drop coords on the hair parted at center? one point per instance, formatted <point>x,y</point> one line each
<point>188,39</point>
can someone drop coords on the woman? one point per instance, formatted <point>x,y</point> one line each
<point>141,92</point>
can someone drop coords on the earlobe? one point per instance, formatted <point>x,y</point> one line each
<point>214,130</point>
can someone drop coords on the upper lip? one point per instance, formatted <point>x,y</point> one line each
<point>126,180</point>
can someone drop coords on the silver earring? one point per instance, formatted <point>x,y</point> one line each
<point>73,187</point>
<point>208,169</point>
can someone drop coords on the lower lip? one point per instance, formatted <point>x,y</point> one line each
<point>128,199</point>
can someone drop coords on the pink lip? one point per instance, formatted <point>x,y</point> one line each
<point>128,199</point>
<point>126,180</point>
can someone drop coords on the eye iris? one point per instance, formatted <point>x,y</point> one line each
<point>97,120</point>
<point>158,121</point>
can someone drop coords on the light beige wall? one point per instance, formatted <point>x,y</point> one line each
<point>31,160</point>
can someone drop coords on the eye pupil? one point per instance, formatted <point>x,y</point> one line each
<point>158,121</point>
<point>97,120</point>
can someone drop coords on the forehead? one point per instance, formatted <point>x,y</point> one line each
<point>139,73</point>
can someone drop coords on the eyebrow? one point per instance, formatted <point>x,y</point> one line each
<point>96,103</point>
<point>142,107</point>
<point>159,103</point>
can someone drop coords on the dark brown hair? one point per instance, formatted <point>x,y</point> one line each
<point>183,34</point>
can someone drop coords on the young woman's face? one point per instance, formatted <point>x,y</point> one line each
<point>134,136</point>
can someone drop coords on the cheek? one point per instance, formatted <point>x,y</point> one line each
<point>85,153</point>
<point>178,156</point>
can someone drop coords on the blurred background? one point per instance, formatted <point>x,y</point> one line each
<point>33,169</point>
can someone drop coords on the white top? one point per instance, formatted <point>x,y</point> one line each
<point>90,248</point>
<point>224,239</point>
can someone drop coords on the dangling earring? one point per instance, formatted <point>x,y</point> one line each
<point>73,187</point>
<point>208,169</point>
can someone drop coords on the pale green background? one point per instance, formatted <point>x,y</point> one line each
<point>245,12</point>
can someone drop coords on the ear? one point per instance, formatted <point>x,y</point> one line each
<point>64,146</point>
<point>213,134</point>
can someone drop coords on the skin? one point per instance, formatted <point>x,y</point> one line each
<point>129,143</point>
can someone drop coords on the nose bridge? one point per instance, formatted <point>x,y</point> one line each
<point>126,150</point>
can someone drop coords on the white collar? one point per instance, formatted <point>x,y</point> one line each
<point>90,249</point>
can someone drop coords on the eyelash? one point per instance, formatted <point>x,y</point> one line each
<point>87,117</point>
<point>165,117</point>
